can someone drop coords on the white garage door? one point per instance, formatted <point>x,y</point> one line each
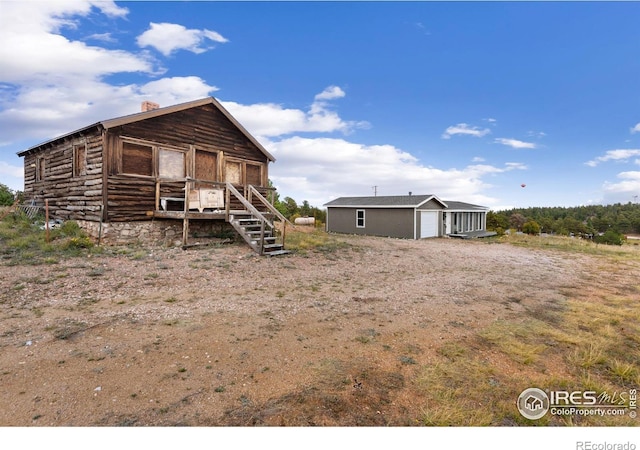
<point>428,224</point>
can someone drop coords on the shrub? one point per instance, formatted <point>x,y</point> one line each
<point>6,196</point>
<point>611,237</point>
<point>531,227</point>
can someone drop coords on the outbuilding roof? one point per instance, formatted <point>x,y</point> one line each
<point>131,118</point>
<point>400,201</point>
<point>389,201</point>
<point>462,206</point>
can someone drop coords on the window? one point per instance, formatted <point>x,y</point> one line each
<point>206,166</point>
<point>137,159</point>
<point>254,174</point>
<point>79,160</point>
<point>171,163</point>
<point>359,218</point>
<point>233,172</point>
<point>40,169</point>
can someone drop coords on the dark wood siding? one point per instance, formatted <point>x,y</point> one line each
<point>72,195</point>
<point>203,125</point>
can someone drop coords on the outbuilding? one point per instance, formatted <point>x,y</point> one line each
<point>406,217</point>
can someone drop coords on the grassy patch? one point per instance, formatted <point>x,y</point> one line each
<point>579,343</point>
<point>24,241</point>
<point>316,240</point>
<point>571,245</point>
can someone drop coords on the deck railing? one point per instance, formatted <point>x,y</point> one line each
<point>196,194</point>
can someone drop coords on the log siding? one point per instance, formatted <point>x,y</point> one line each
<point>84,177</point>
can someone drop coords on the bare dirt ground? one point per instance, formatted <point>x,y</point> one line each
<point>219,336</point>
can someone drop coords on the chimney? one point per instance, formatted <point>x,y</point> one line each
<point>149,106</point>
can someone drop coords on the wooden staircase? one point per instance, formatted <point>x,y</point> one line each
<point>257,232</point>
<point>257,228</point>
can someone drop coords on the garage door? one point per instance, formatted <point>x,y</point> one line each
<point>428,224</point>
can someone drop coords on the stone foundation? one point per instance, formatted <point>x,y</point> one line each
<point>162,232</point>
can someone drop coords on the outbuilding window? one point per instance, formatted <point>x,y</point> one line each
<point>360,218</point>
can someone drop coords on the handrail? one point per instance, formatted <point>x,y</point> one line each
<point>252,209</point>
<point>264,201</point>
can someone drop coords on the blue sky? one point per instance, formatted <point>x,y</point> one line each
<point>465,100</point>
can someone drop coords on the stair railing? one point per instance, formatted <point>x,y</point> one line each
<point>253,192</point>
<point>257,214</point>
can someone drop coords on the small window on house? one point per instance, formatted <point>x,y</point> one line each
<point>254,174</point>
<point>137,159</point>
<point>40,169</point>
<point>360,218</point>
<point>171,163</point>
<point>79,160</point>
<point>233,172</point>
<point>206,166</point>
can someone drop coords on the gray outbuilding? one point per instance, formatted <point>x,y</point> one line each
<point>406,217</point>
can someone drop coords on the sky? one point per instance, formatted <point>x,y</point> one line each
<point>501,104</point>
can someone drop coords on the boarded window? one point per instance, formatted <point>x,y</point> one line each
<point>137,159</point>
<point>171,163</point>
<point>40,169</point>
<point>206,166</point>
<point>254,175</point>
<point>233,172</point>
<point>79,160</point>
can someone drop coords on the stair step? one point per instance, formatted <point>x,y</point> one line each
<point>278,252</point>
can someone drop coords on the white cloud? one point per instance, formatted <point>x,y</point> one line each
<point>636,129</point>
<point>623,191</point>
<point>478,159</point>
<point>514,143</point>
<point>515,165</point>
<point>170,37</point>
<point>463,128</point>
<point>270,119</point>
<point>42,98</point>
<point>32,49</point>
<point>330,93</point>
<point>9,170</point>
<point>320,169</point>
<point>102,37</point>
<point>622,155</point>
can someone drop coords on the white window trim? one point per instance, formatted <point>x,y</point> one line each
<point>364,215</point>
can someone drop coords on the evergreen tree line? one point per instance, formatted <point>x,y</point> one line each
<point>289,208</point>
<point>589,220</point>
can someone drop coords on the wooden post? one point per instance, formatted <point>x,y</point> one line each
<point>227,200</point>
<point>185,222</point>
<point>46,219</point>
<point>157,195</point>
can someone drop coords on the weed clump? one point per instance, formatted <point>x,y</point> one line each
<point>25,241</point>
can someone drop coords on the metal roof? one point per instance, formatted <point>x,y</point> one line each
<point>401,201</point>
<point>391,201</point>
<point>131,118</point>
<point>461,206</point>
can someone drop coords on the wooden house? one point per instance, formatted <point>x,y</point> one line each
<point>406,217</point>
<point>145,176</point>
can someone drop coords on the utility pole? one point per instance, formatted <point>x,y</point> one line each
<point>375,190</point>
